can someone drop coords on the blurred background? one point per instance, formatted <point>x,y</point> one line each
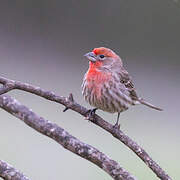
<point>43,42</point>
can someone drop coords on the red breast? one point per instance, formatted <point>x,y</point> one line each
<point>96,78</point>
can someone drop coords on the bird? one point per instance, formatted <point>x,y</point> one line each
<point>108,86</point>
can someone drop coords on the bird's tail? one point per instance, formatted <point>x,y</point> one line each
<point>149,105</point>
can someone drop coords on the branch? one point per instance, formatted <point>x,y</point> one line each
<point>69,104</point>
<point>61,136</point>
<point>7,172</point>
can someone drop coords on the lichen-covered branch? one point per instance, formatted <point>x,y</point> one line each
<point>7,172</point>
<point>71,104</point>
<point>61,136</point>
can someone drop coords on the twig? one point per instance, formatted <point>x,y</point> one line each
<point>71,99</point>
<point>61,136</point>
<point>140,152</point>
<point>7,172</point>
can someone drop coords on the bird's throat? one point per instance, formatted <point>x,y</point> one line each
<point>93,66</point>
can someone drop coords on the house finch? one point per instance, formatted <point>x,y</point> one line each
<point>107,85</point>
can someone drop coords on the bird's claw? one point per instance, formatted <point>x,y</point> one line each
<point>116,126</point>
<point>90,113</point>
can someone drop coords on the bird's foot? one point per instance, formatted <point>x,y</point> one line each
<point>116,126</point>
<point>90,113</point>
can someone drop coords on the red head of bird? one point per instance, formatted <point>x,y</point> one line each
<point>103,57</point>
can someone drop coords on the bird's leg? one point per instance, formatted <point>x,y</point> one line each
<point>117,125</point>
<point>91,113</point>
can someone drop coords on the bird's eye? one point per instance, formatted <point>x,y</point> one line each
<point>101,56</point>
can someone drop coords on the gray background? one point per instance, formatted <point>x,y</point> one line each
<point>43,42</point>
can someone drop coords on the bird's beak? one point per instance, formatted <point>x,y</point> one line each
<point>91,56</point>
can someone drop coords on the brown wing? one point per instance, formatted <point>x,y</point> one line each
<point>127,81</point>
